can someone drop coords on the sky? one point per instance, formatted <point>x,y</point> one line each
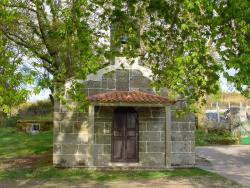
<point>44,94</point>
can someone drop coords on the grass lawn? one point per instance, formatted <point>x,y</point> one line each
<point>15,144</point>
<point>74,174</point>
<point>24,156</point>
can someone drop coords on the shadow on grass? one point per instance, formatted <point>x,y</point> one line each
<point>73,174</point>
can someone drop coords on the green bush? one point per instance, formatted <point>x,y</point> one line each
<point>39,108</point>
<point>10,121</point>
<point>203,138</point>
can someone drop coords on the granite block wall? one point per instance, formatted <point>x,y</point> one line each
<point>70,139</point>
<point>151,136</point>
<point>102,135</point>
<point>182,136</point>
<point>73,137</point>
<point>120,80</point>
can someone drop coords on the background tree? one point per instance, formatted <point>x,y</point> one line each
<point>239,12</point>
<point>12,78</point>
<point>183,40</point>
<point>60,36</point>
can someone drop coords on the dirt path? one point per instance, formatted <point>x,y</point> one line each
<point>232,162</point>
<point>175,182</point>
<point>168,182</point>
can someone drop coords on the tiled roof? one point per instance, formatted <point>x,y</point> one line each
<point>129,97</point>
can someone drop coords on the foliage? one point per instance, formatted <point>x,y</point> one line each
<point>39,110</point>
<point>2,118</point>
<point>225,98</point>
<point>181,45</point>
<point>10,121</point>
<point>187,37</point>
<point>42,109</point>
<point>240,12</point>
<point>16,144</point>
<point>61,37</point>
<point>203,138</point>
<point>45,117</point>
<point>12,78</point>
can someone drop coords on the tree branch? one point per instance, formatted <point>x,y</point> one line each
<point>42,26</point>
<point>21,42</point>
<point>21,7</point>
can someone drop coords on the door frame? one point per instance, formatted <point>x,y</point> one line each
<point>123,145</point>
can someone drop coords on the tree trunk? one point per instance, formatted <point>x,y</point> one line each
<point>51,97</point>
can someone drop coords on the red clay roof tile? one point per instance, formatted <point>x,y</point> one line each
<point>128,97</point>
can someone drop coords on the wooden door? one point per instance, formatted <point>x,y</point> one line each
<point>125,135</point>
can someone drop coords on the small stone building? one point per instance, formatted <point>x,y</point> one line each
<point>127,124</point>
<point>34,126</point>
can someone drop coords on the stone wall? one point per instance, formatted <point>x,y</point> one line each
<point>182,137</point>
<point>78,144</point>
<point>120,80</point>
<point>26,125</point>
<point>71,129</point>
<point>102,135</point>
<point>71,134</point>
<point>70,138</point>
<point>151,136</point>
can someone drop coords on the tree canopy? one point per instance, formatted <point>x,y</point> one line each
<point>57,35</point>
<point>12,78</point>
<point>178,39</point>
